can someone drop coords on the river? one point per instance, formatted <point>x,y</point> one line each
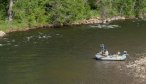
<point>67,55</point>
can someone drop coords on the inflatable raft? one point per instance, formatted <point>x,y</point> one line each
<point>111,57</point>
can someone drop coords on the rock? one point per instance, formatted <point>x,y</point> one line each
<point>99,20</point>
<point>2,33</point>
<point>138,66</point>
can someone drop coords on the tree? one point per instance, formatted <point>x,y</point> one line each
<point>67,11</point>
<point>29,11</point>
<point>10,10</point>
<point>139,8</point>
<point>3,9</point>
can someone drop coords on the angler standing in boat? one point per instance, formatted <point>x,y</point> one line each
<point>106,53</point>
<point>104,50</point>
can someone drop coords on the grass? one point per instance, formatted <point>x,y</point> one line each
<point>15,26</point>
<point>7,27</point>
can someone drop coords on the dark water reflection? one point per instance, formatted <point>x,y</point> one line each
<point>66,56</point>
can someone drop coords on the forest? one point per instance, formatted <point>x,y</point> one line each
<point>62,12</point>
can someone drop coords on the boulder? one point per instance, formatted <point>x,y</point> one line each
<point>2,33</point>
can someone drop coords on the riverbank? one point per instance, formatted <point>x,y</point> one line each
<point>7,27</point>
<point>100,20</point>
<point>12,27</point>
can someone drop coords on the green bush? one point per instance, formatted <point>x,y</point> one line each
<point>67,11</point>
<point>29,11</point>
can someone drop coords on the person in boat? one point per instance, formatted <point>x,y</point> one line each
<point>125,52</point>
<point>102,47</point>
<point>118,53</point>
<point>104,50</point>
<point>106,53</point>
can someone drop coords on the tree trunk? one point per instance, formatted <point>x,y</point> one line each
<point>10,10</point>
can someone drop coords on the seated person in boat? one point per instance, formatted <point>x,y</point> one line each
<point>125,52</point>
<point>118,53</point>
<point>106,53</point>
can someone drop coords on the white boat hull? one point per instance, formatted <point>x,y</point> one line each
<point>111,57</point>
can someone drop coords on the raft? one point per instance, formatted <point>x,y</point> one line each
<point>111,57</point>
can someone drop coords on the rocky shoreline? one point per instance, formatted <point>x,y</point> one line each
<point>99,20</point>
<point>138,67</point>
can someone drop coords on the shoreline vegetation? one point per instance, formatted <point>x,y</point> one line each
<point>22,15</point>
<point>10,27</point>
<point>24,27</point>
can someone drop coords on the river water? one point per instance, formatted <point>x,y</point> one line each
<point>67,55</point>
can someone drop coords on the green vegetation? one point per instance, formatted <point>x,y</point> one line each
<point>127,8</point>
<point>28,13</point>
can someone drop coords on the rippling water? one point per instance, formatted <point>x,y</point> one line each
<point>67,55</point>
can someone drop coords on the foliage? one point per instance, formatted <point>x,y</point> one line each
<point>139,7</point>
<point>50,11</point>
<point>67,11</point>
<point>62,12</point>
<point>109,8</point>
<point>3,9</point>
<point>31,11</point>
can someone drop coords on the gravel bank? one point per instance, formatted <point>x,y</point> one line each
<point>138,67</point>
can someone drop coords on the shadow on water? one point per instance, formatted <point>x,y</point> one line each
<point>67,55</point>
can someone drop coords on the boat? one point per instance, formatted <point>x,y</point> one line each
<point>114,57</point>
<point>104,55</point>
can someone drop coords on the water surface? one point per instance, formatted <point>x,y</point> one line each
<point>67,55</point>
